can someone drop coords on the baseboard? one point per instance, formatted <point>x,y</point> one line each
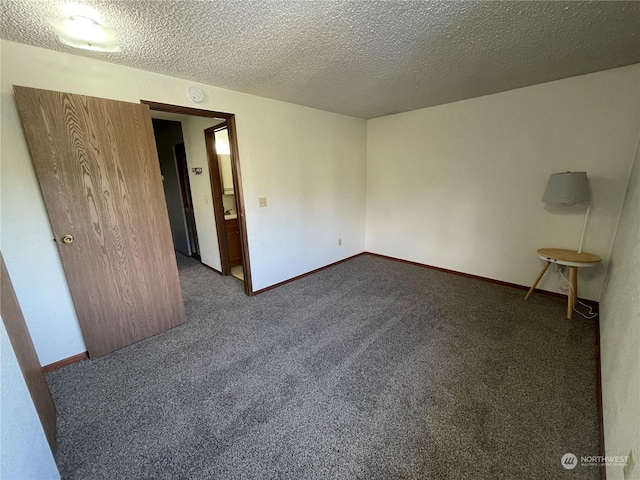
<point>603,468</point>
<point>591,303</point>
<point>603,471</point>
<point>211,268</point>
<point>279,284</point>
<point>64,362</point>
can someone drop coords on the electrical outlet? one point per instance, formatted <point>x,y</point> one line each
<point>206,199</point>
<point>629,466</point>
<point>262,202</point>
<point>339,242</point>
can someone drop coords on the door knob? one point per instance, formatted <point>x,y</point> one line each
<point>67,239</point>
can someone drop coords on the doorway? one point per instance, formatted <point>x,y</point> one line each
<point>169,139</point>
<point>187,200</point>
<point>226,252</point>
<point>223,188</point>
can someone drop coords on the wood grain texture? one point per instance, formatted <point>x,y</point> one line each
<point>568,255</point>
<point>537,280</point>
<point>26,354</point>
<point>99,173</point>
<point>573,291</point>
<point>237,188</point>
<point>179,109</point>
<point>216,191</point>
<point>233,242</point>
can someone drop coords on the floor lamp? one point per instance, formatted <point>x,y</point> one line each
<point>569,188</point>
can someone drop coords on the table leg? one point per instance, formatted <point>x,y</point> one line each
<point>573,278</point>
<point>572,294</point>
<point>535,284</point>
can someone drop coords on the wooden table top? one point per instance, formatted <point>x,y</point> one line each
<point>569,255</point>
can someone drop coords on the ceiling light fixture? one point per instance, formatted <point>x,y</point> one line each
<point>71,9</point>
<point>80,31</point>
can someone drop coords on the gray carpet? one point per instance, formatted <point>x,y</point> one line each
<point>371,369</point>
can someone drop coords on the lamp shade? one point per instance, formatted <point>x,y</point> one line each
<point>567,188</point>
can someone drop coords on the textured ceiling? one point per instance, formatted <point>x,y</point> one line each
<point>361,58</point>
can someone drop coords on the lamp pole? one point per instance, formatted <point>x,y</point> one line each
<point>584,228</point>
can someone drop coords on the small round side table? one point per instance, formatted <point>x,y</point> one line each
<point>571,259</point>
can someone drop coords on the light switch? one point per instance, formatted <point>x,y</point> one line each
<point>262,202</point>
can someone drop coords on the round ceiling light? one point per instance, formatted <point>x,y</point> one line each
<point>83,32</point>
<point>84,29</point>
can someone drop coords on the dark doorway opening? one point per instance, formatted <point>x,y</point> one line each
<point>175,182</point>
<point>187,201</point>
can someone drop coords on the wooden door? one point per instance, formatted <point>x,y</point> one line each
<point>98,169</point>
<point>27,356</point>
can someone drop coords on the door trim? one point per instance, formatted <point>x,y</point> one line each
<point>216,190</point>
<point>26,356</point>
<point>235,167</point>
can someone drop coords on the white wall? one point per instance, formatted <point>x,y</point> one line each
<point>459,185</point>
<point>195,146</point>
<point>313,198</point>
<point>456,186</point>
<point>620,334</point>
<point>310,164</point>
<point>25,451</point>
<point>26,241</point>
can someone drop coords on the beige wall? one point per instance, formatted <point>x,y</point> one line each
<point>456,186</point>
<point>196,149</point>
<point>620,334</point>
<point>310,165</point>
<point>25,450</point>
<point>459,185</point>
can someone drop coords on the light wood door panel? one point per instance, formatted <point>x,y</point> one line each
<point>98,170</point>
<point>26,355</point>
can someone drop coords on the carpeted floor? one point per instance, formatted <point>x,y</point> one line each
<point>371,369</point>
